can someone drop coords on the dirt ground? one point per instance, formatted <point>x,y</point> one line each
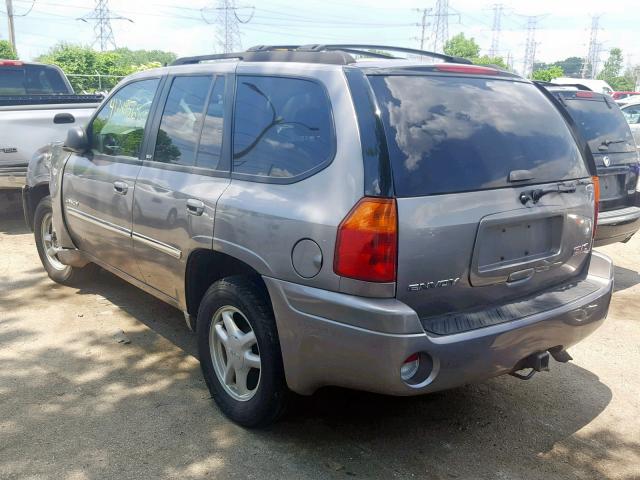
<point>78,402</point>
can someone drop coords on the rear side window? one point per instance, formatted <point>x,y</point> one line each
<point>632,114</point>
<point>283,127</point>
<point>182,121</point>
<point>603,126</point>
<point>32,80</point>
<point>453,134</point>
<point>211,140</point>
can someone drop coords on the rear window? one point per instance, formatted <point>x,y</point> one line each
<point>454,134</point>
<point>31,80</point>
<point>604,127</point>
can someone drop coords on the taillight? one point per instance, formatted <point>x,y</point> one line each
<point>367,242</point>
<point>596,202</point>
<point>10,63</point>
<point>584,94</point>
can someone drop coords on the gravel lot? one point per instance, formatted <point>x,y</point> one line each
<point>77,401</point>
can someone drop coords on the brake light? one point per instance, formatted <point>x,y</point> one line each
<point>596,202</point>
<point>584,94</point>
<point>10,63</point>
<point>367,241</point>
<point>472,69</point>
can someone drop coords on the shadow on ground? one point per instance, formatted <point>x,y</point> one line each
<point>75,403</point>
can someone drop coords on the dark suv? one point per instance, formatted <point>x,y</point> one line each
<point>383,224</point>
<point>602,124</point>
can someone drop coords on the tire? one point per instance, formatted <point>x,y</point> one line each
<point>57,272</point>
<point>245,301</point>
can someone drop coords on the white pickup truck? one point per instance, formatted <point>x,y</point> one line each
<point>37,107</point>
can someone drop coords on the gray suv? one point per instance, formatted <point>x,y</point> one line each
<point>333,215</point>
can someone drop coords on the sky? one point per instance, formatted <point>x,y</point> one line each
<point>184,26</point>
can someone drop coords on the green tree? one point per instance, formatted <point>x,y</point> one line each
<point>461,46</point>
<point>571,66</point>
<point>6,51</point>
<point>83,64</point>
<point>548,74</point>
<point>613,66</point>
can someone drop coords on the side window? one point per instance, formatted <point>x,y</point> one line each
<point>182,121</point>
<point>283,127</point>
<point>632,114</point>
<point>118,129</point>
<point>211,140</point>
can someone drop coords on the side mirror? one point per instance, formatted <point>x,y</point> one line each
<point>77,140</point>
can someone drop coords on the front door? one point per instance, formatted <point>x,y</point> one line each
<point>180,181</point>
<point>98,185</point>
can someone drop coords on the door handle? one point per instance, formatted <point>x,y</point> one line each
<point>195,207</point>
<point>120,187</point>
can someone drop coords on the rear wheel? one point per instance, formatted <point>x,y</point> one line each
<point>240,352</point>
<point>47,244</point>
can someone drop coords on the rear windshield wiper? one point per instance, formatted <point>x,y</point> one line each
<point>605,143</point>
<point>535,195</point>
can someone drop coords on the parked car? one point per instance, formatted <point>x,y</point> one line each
<point>37,106</point>
<point>601,122</point>
<point>599,86</point>
<point>386,225</point>
<point>624,97</point>
<point>631,112</point>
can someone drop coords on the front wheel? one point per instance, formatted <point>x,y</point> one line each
<point>46,243</point>
<point>240,352</point>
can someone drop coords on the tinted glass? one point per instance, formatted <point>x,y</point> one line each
<point>31,80</point>
<point>282,127</point>
<point>449,134</point>
<point>211,140</point>
<point>632,114</point>
<point>601,124</point>
<point>119,127</point>
<point>182,120</point>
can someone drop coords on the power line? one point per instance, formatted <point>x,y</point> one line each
<point>102,28</point>
<point>228,23</point>
<point>498,11</point>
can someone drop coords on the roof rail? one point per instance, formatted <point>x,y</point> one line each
<point>316,53</point>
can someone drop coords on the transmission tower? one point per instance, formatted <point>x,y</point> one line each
<point>102,28</point>
<point>498,11</point>
<point>423,25</point>
<point>227,21</point>
<point>440,30</point>
<point>590,63</point>
<point>530,46</point>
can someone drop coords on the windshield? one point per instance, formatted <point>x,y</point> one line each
<point>32,80</point>
<point>604,127</point>
<point>448,134</point>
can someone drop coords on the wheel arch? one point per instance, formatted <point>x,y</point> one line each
<point>205,267</point>
<point>31,198</point>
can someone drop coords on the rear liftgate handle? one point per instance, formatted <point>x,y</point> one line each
<point>195,207</point>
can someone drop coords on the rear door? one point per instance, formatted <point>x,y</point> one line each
<point>463,151</point>
<point>181,180</point>
<point>605,128</point>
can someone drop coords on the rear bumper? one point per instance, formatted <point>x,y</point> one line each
<point>329,338</point>
<point>14,177</point>
<point>617,225</point>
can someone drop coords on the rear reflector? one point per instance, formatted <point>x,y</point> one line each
<point>469,69</point>
<point>367,242</point>
<point>10,63</point>
<point>596,201</point>
<point>584,94</point>
<point>410,367</point>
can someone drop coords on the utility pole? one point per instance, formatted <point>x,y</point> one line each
<point>530,46</point>
<point>12,32</point>
<point>498,11</point>
<point>590,64</point>
<point>440,30</point>
<point>102,28</point>
<point>227,24</point>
